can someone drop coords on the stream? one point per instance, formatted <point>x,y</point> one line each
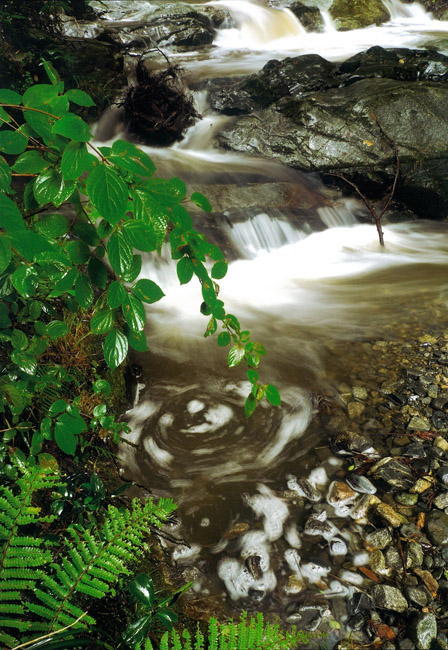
<point>309,279</point>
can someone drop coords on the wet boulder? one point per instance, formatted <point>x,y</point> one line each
<point>294,76</point>
<point>309,16</point>
<point>356,131</point>
<point>354,14</point>
<point>401,64</point>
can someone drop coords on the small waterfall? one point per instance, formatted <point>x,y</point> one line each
<point>258,26</point>
<point>399,10</point>
<point>328,21</point>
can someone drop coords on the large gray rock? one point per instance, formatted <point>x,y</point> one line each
<point>354,131</point>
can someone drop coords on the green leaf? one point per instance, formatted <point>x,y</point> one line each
<point>224,339</point>
<point>70,423</point>
<point>115,348</point>
<point>79,97</point>
<point>40,94</point>
<point>11,218</point>
<point>5,118</point>
<point>142,588</point>
<point>19,339</point>
<point>5,321</point>
<point>65,283</point>
<point>185,270</point>
<point>134,313</point>
<point>173,190</point>
<point>141,235</point>
<point>97,272</point>
<point>212,326</point>
<point>5,175</point>
<point>60,406</point>
<point>76,160</point>
<point>66,442</point>
<point>10,97</point>
<point>31,244</point>
<point>137,341</point>
<point>201,201</point>
<point>134,270</point>
<point>148,291</point>
<point>56,329</point>
<point>87,232</point>
<point>235,356</point>
<point>101,386</point>
<point>24,280</point>
<point>83,292</point>
<point>252,376</point>
<point>12,142</point>
<point>79,252</point>
<point>50,187</point>
<point>52,74</point>
<point>250,405</point>
<point>219,270</point>
<point>273,395</point>
<point>116,294</point>
<point>102,321</point>
<point>52,225</point>
<point>73,127</point>
<point>119,252</point>
<point>108,193</point>
<point>5,253</point>
<point>26,362</point>
<point>30,162</point>
<point>136,632</point>
<point>129,158</point>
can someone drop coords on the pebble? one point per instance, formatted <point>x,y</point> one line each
<point>419,423</point>
<point>304,488</point>
<point>394,472</point>
<point>387,597</point>
<point>437,527</point>
<point>338,547</point>
<point>360,484</point>
<point>355,409</point>
<point>377,562</point>
<point>362,507</point>
<point>425,631</point>
<point>428,580</point>
<point>418,595</point>
<point>441,501</point>
<point>359,392</point>
<point>406,499</point>
<point>442,474</point>
<point>390,515</point>
<point>441,443</point>
<point>380,538</point>
<point>421,485</point>
<point>415,555</point>
<point>340,494</point>
<point>393,558</point>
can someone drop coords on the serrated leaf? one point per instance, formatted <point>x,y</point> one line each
<point>134,270</point>
<point>83,292</point>
<point>19,339</point>
<point>26,362</point>
<point>137,341</point>
<point>50,187</point>
<point>73,127</point>
<point>107,192</point>
<point>102,321</point>
<point>273,395</point>
<point>76,160</point>
<point>30,162</point>
<point>219,270</point>
<point>97,272</point>
<point>252,376</point>
<point>134,313</point>
<point>78,251</point>
<point>129,158</point>
<point>148,291</point>
<point>201,201</point>
<point>56,328</point>
<point>11,218</point>
<point>185,270</point>
<point>115,348</point>
<point>235,356</point>
<point>24,280</point>
<point>116,294</point>
<point>224,339</point>
<point>119,252</point>
<point>12,142</point>
<point>79,97</point>
<point>141,235</point>
<point>52,225</point>
<point>87,232</point>
<point>5,253</point>
<point>102,386</point>
<point>5,175</point>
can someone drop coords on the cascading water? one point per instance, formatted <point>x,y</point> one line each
<point>311,283</point>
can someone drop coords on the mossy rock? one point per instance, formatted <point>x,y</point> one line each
<point>354,14</point>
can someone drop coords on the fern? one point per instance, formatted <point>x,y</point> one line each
<point>21,556</point>
<point>247,634</point>
<point>46,593</point>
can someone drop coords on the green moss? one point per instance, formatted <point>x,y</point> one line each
<point>354,14</point>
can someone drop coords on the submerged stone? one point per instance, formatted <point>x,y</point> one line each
<point>387,597</point>
<point>425,631</point>
<point>437,527</point>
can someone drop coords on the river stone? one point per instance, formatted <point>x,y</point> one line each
<point>379,538</point>
<point>390,515</point>
<point>437,527</point>
<point>337,130</point>
<point>415,555</point>
<point>417,595</point>
<point>425,630</point>
<point>406,499</point>
<point>419,423</point>
<point>290,77</point>
<point>310,17</point>
<point>402,64</point>
<point>179,24</point>
<point>393,558</point>
<point>441,501</point>
<point>360,484</point>
<point>353,14</point>
<point>394,472</point>
<point>387,597</point>
<point>340,493</point>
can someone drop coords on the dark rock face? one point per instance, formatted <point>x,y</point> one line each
<point>295,76</point>
<point>375,104</point>
<point>310,17</point>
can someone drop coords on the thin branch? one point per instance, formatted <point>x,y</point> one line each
<point>50,634</point>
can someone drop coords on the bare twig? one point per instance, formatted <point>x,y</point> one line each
<point>50,634</point>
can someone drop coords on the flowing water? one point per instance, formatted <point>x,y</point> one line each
<point>306,273</point>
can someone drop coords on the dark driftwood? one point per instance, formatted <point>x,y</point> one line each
<point>158,109</point>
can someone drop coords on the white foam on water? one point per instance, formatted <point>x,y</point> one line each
<point>160,456</point>
<point>273,510</point>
